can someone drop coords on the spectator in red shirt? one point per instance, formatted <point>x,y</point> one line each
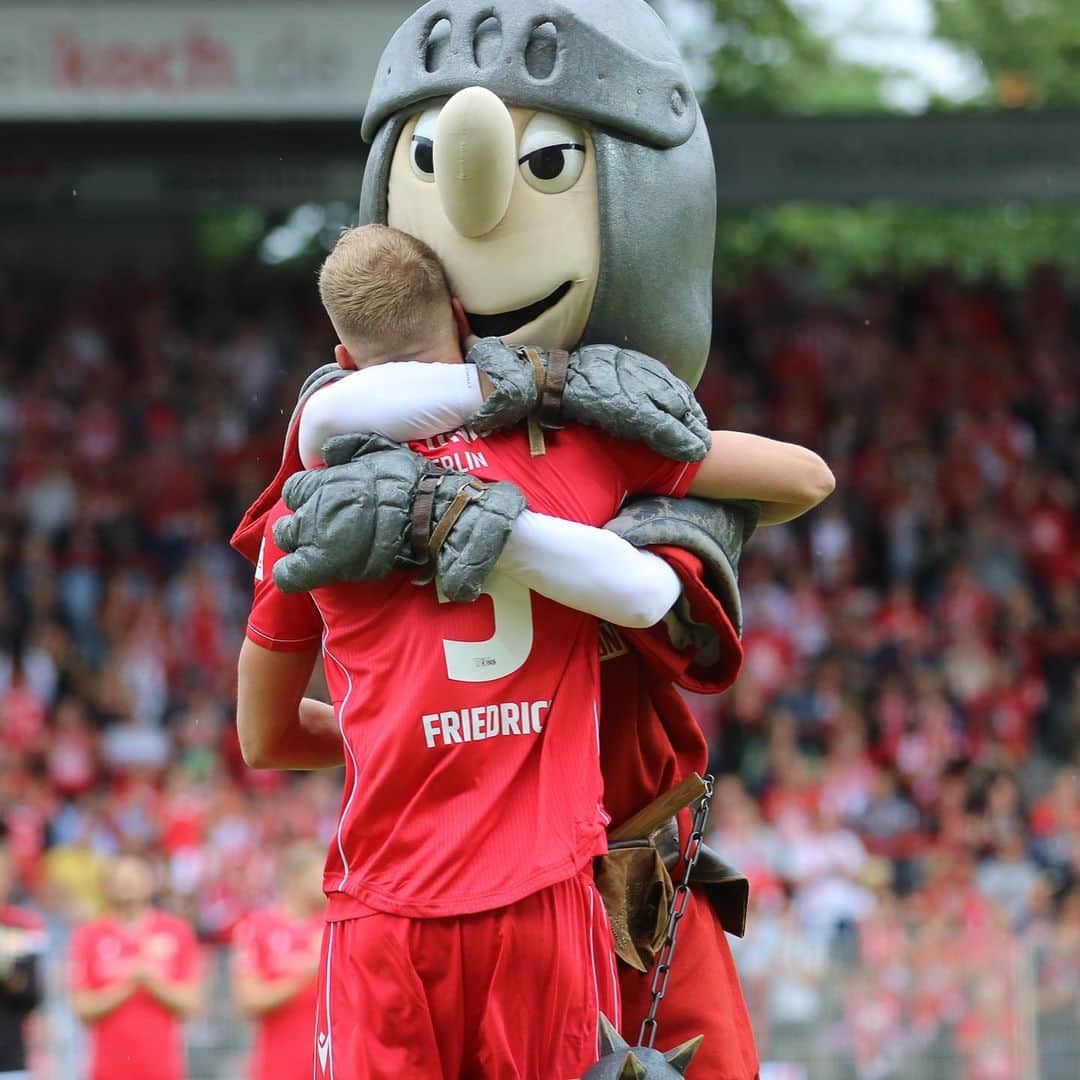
<point>22,716</point>
<point>135,977</point>
<point>275,968</point>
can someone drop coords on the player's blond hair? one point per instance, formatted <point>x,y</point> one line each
<point>382,285</point>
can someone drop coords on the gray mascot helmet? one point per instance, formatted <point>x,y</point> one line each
<point>611,65</point>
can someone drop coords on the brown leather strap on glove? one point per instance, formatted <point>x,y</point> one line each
<point>550,386</point>
<point>426,536</point>
<point>549,412</point>
<point>421,516</point>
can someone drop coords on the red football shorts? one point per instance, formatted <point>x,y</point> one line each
<point>509,994</point>
<point>703,998</point>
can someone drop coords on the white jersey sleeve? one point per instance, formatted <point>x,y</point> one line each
<point>403,401</point>
<point>590,570</point>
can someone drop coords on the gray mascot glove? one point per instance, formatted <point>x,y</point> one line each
<point>623,392</point>
<point>379,507</point>
<point>715,532</point>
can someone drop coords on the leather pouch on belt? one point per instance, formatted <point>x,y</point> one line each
<point>727,890</point>
<point>637,892</point>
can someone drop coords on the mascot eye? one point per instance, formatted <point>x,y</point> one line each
<point>422,150</point>
<point>552,153</point>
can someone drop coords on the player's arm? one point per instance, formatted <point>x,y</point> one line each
<point>254,993</point>
<point>181,991</point>
<point>574,564</point>
<point>318,717</point>
<point>279,728</point>
<point>787,480</point>
<point>402,401</point>
<point>92,1005</point>
<point>589,569</point>
<point>256,996</point>
<point>622,392</point>
<point>182,997</point>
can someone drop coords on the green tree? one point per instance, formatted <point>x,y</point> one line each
<point>767,58</point>
<point>1029,49</point>
<point>1005,239</point>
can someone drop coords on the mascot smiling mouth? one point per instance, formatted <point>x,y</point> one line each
<point>504,323</point>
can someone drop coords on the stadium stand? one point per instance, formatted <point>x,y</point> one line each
<point>899,759</point>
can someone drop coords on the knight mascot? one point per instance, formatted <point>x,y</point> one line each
<point>554,157</point>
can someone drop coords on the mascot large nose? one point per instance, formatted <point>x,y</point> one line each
<point>475,158</point>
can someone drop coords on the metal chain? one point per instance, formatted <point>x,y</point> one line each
<point>647,1035</point>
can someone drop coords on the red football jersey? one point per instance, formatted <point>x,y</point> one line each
<point>472,771</point>
<point>273,945</point>
<point>141,1037</point>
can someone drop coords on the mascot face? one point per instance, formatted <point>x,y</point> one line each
<point>508,200</point>
<point>553,155</point>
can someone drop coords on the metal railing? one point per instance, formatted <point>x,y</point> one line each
<point>998,1012</point>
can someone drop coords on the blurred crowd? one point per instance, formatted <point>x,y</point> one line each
<point>899,758</point>
<point>137,420</point>
<point>900,754</point>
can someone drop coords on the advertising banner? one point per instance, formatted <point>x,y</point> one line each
<point>118,60</point>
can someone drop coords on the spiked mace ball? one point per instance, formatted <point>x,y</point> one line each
<point>621,1061</point>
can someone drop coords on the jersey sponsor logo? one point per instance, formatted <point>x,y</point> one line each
<point>323,1046</point>
<point>612,643</point>
<point>507,718</point>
